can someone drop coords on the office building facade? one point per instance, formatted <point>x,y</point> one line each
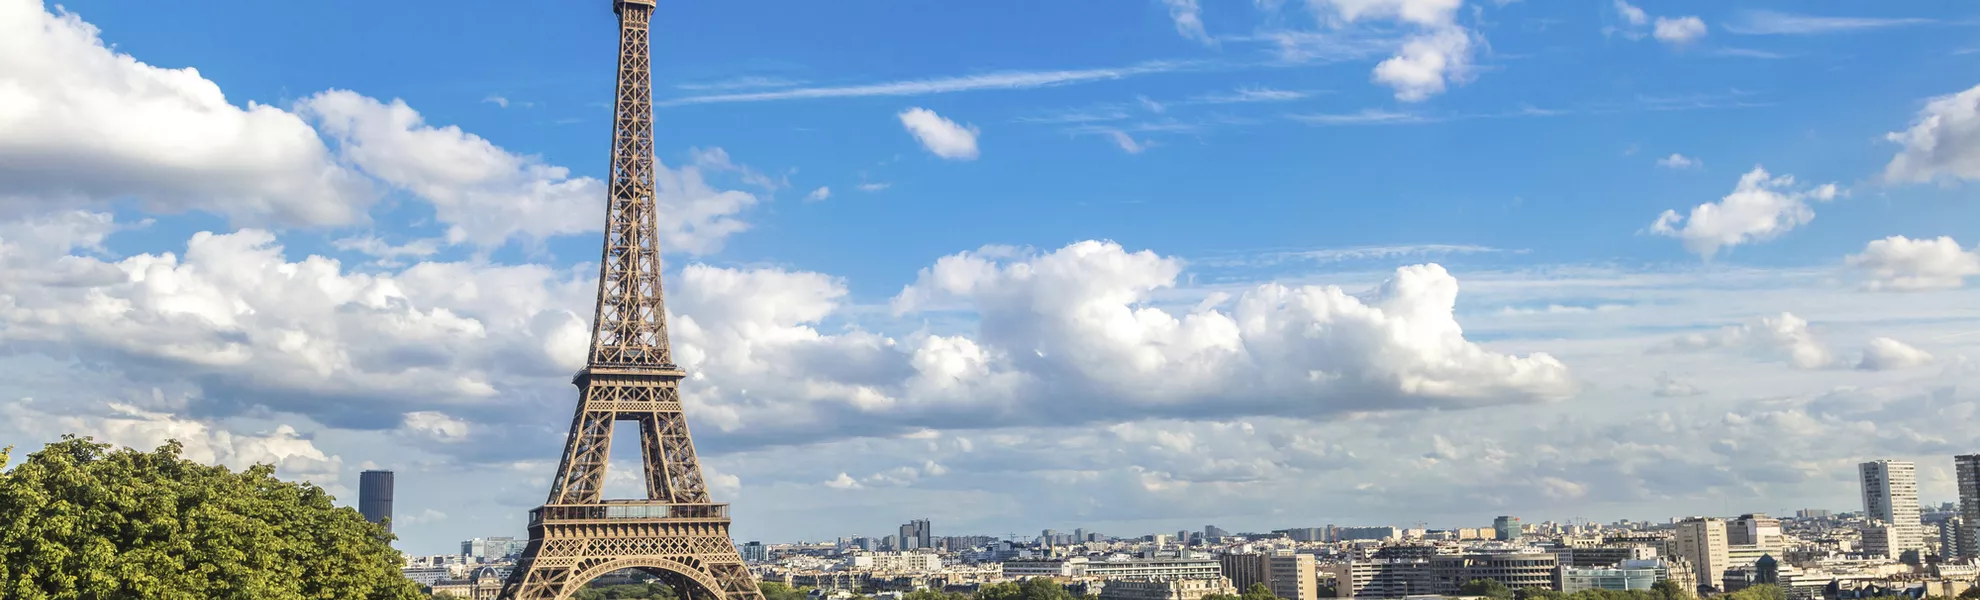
<point>1890,495</point>
<point>1967,469</point>
<point>375,497</point>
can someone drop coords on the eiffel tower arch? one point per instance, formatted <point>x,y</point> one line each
<point>677,532</point>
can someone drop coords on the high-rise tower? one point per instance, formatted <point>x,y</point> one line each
<point>1890,494</point>
<point>375,497</point>
<point>1967,469</point>
<point>677,532</point>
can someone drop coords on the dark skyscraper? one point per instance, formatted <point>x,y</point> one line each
<point>375,496</point>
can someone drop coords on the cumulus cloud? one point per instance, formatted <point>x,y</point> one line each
<point>304,336</point>
<point>436,426</point>
<point>83,124</point>
<point>821,193</point>
<point>206,442</point>
<point>1437,52</point>
<point>1943,141</point>
<point>1636,24</point>
<point>1679,161</point>
<point>1898,263</point>
<point>1761,207</point>
<point>940,136</point>
<point>1679,31</point>
<point>1784,335</point>
<point>487,195</point>
<point>1885,354</point>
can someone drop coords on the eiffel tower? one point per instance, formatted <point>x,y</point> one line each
<point>677,533</point>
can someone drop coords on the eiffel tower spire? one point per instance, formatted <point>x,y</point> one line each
<point>677,532</point>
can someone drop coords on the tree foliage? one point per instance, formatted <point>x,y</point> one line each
<point>777,591</point>
<point>1490,588</point>
<point>80,521</point>
<point>652,590</point>
<point>1758,592</point>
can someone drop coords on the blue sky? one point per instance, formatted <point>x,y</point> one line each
<point>404,225</point>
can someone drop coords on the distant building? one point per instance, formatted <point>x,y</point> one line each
<point>1755,530</point>
<point>1634,575</point>
<point>755,552</point>
<point>1212,533</point>
<point>1442,575</point>
<point>1166,588</point>
<point>900,562</point>
<point>1701,541</point>
<point>1812,513</point>
<point>1290,576</point>
<point>486,549</point>
<point>1344,534</point>
<point>1890,494</point>
<point>1967,467</point>
<point>917,534</point>
<point>375,497</point>
<point>1507,527</point>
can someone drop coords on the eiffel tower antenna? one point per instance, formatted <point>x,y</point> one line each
<point>677,532</point>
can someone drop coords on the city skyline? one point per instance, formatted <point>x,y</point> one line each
<point>1146,266</point>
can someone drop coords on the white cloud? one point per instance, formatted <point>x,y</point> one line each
<point>1760,208</point>
<point>487,195</point>
<point>1126,142</point>
<point>1898,263</point>
<point>1785,335</point>
<point>1768,22</point>
<point>496,100</point>
<point>873,186</point>
<point>1679,161</point>
<point>83,125</point>
<point>1436,54</point>
<point>821,193</point>
<point>1631,14</point>
<point>387,253</point>
<point>1426,62</point>
<point>1680,30</point>
<point>1008,80</point>
<point>940,136</point>
<point>1670,387</point>
<point>843,482</point>
<point>1885,354</point>
<point>436,426</point>
<point>1943,142</point>
<point>292,454</point>
<point>1189,21</point>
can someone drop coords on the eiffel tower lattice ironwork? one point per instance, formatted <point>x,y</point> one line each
<point>677,532</point>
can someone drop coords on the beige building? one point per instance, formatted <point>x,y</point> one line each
<point>1290,576</point>
<point>1166,588</point>
<point>1702,542</point>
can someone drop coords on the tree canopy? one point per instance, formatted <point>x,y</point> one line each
<point>78,520</point>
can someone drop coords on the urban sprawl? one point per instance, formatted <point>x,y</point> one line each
<point>1893,546</point>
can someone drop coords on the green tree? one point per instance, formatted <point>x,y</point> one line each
<point>1758,592</point>
<point>78,520</point>
<point>1670,590</point>
<point>1490,588</point>
<point>1258,591</point>
<point>1535,593</point>
<point>777,591</point>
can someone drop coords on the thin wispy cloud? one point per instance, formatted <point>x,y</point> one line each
<point>1251,94</point>
<point>1768,22</point>
<point>1007,80</point>
<point>1748,53</point>
<point>1373,116</point>
<point>746,82</point>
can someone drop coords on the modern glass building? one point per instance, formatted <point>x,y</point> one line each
<point>375,497</point>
